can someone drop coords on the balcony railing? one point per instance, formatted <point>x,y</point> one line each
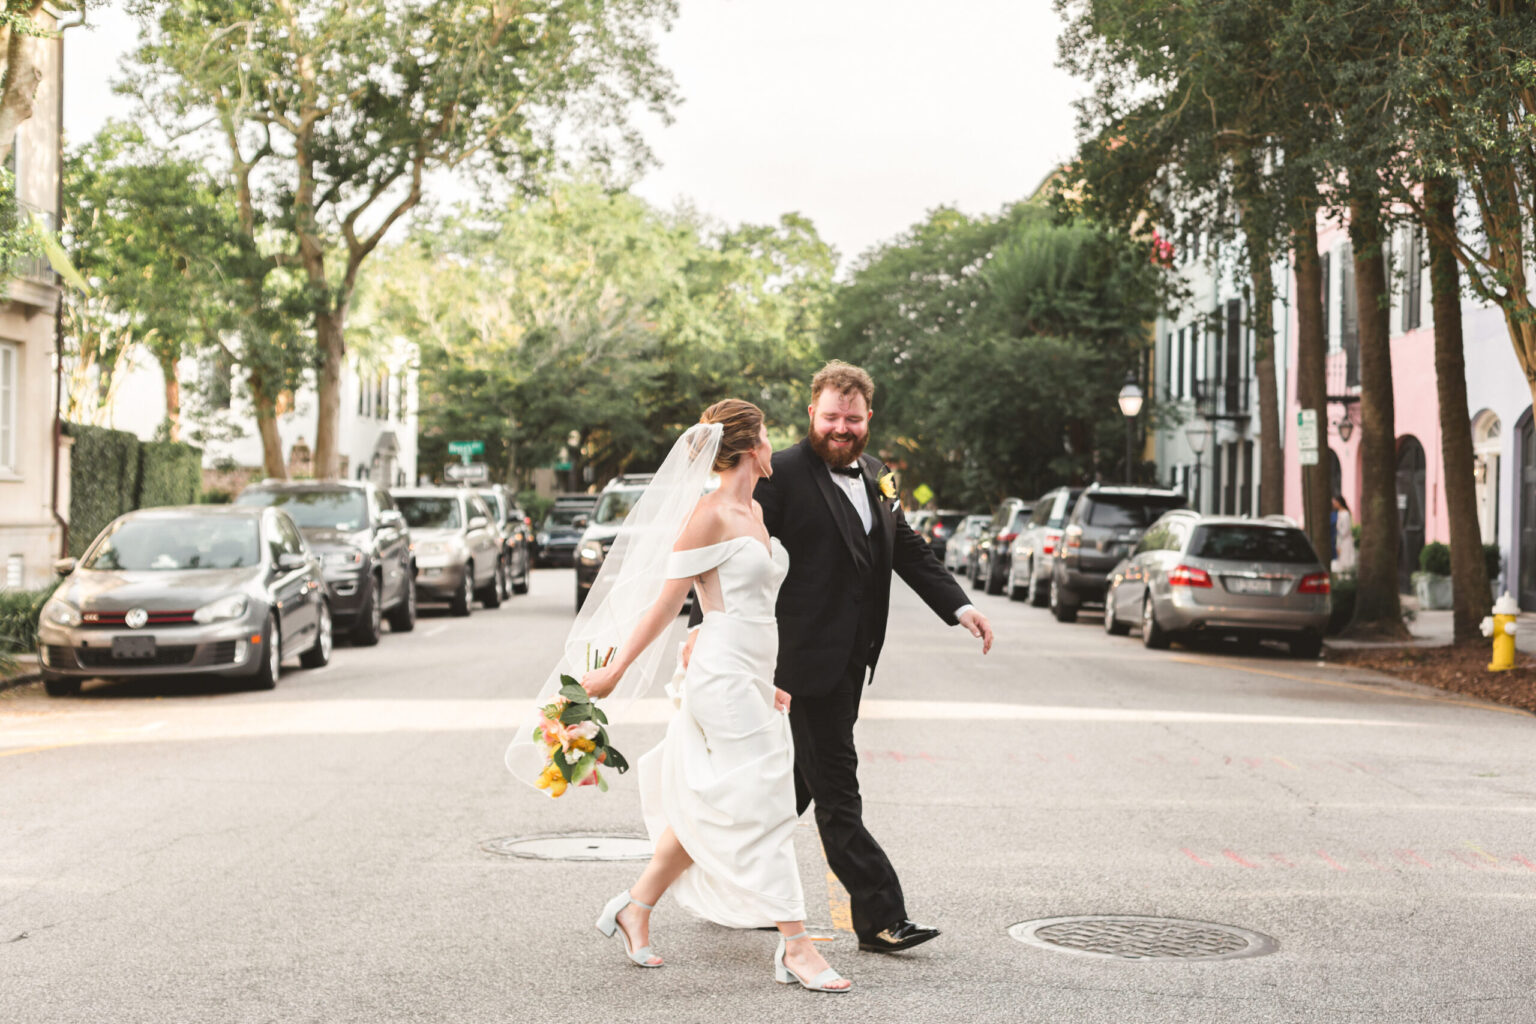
<point>31,268</point>
<point>1223,398</point>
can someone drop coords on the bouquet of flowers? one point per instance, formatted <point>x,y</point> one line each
<point>575,742</point>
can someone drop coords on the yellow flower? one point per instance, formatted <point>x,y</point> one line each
<point>584,745</point>
<point>888,485</point>
<point>558,789</point>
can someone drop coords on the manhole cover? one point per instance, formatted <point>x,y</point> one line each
<point>572,846</point>
<point>1143,938</point>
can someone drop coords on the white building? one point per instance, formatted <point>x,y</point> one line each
<point>32,512</point>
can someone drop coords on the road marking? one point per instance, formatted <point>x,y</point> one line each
<point>34,750</point>
<point>434,630</point>
<point>839,903</point>
<point>1379,691</point>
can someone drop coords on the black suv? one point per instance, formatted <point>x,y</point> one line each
<point>993,549</point>
<point>364,547</point>
<point>1105,524</point>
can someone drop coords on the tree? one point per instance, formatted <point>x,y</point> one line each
<point>333,115</point>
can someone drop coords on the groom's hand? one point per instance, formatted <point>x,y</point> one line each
<point>979,627</point>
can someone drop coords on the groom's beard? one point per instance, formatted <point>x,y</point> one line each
<point>821,444</point>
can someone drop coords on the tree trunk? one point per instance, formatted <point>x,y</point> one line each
<point>1469,574</point>
<point>275,466</point>
<point>172,397</point>
<point>1271,453</point>
<point>1312,382</point>
<point>1378,611</point>
<point>21,76</point>
<point>331,341</point>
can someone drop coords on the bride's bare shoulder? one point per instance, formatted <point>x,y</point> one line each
<point>705,527</point>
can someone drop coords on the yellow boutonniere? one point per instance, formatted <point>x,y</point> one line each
<point>888,485</point>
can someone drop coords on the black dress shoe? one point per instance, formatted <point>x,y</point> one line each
<point>903,934</point>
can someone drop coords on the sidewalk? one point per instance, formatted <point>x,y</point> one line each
<point>1434,629</point>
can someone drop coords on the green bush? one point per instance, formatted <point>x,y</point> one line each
<point>170,473</point>
<point>216,496</point>
<point>1435,558</point>
<point>19,610</point>
<point>103,481</point>
<point>1342,585</point>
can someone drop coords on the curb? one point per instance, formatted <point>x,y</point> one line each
<point>29,673</point>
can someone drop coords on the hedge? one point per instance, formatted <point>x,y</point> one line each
<point>19,610</point>
<point>112,472</point>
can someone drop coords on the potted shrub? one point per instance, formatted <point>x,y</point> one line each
<point>1432,583</point>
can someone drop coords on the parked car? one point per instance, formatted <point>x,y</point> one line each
<point>938,528</point>
<point>198,590</point>
<point>1249,578</point>
<point>993,549</point>
<point>458,549</point>
<point>364,548</point>
<point>613,505</point>
<point>516,538</point>
<point>1105,525</point>
<point>1035,548</point>
<point>957,552</point>
<point>561,532</point>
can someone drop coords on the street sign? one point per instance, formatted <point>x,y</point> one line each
<point>466,447</point>
<point>1309,457</point>
<point>923,494</point>
<point>466,473</point>
<point>1306,431</point>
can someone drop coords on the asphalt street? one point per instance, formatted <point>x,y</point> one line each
<point>190,852</point>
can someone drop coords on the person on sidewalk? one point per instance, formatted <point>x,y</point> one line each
<point>834,510</point>
<point>1343,536</point>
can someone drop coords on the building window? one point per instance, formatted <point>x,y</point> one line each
<point>1413,280</point>
<point>10,397</point>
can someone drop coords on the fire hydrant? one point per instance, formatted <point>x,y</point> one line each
<point>1501,626</point>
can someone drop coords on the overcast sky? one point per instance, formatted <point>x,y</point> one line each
<point>861,114</point>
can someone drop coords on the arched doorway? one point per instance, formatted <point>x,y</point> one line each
<point>1411,480</point>
<point>1487,446</point>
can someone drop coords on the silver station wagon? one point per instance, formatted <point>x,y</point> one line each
<point>196,590</point>
<point>1221,575</point>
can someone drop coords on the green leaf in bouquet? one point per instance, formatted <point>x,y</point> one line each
<point>583,768</point>
<point>602,783</point>
<point>573,692</point>
<point>598,716</point>
<point>616,761</point>
<point>565,769</point>
<point>574,713</point>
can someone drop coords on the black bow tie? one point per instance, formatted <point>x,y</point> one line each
<point>853,471</point>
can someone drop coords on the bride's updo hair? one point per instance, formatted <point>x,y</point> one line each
<point>740,426</point>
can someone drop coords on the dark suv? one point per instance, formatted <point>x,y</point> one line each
<point>1105,524</point>
<point>364,547</point>
<point>990,555</point>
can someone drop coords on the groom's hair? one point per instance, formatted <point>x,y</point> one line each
<point>741,424</point>
<point>845,379</point>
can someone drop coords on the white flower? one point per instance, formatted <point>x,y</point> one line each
<point>572,756</point>
<point>582,731</point>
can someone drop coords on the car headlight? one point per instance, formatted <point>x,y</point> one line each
<point>61,613</point>
<point>432,547</point>
<point>543,538</point>
<point>591,553</point>
<point>343,559</point>
<point>231,607</point>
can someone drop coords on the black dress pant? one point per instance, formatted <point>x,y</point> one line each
<point>826,773</point>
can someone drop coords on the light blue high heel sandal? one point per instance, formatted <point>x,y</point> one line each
<point>608,923</point>
<point>784,975</point>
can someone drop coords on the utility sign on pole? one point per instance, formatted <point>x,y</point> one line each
<point>1306,436</point>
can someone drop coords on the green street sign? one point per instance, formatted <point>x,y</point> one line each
<point>466,447</point>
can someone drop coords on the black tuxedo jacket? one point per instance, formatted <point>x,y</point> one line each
<point>839,579</point>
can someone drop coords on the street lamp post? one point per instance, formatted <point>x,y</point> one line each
<point>1130,398</point>
<point>1198,434</point>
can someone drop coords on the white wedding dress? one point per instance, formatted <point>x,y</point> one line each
<point>723,777</point>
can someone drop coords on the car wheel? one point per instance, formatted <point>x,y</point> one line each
<point>459,605</point>
<point>1015,592</point>
<point>1308,645</point>
<point>319,655</point>
<point>1153,636</point>
<point>977,579</point>
<point>402,617</point>
<point>994,579</point>
<point>520,585</point>
<point>490,595</point>
<point>503,582</point>
<point>370,621</point>
<point>1038,597</point>
<point>1064,612</point>
<point>1112,625</point>
<point>61,686</point>
<point>271,655</point>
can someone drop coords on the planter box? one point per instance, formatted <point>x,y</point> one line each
<point>1434,592</point>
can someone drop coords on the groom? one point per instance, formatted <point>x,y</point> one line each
<point>834,510</point>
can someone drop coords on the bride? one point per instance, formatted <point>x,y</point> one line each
<point>718,793</point>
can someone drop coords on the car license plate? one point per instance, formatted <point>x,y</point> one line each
<point>1243,585</point>
<point>133,648</point>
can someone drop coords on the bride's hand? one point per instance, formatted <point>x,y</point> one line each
<point>600,682</point>
<point>780,700</point>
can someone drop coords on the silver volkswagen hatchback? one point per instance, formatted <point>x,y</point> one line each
<point>1221,575</point>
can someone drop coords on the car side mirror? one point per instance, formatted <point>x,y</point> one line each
<point>478,523</point>
<point>64,566</point>
<point>392,518</point>
<point>288,561</point>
